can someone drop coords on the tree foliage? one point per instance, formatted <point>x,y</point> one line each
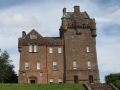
<point>112,77</point>
<point>6,68</point>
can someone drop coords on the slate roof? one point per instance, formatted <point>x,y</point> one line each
<point>68,14</point>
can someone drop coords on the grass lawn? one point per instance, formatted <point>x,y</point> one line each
<point>41,87</point>
<point>117,83</point>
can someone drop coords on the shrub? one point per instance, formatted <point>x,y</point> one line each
<point>112,77</point>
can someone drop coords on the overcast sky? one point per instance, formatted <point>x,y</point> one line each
<point>45,17</point>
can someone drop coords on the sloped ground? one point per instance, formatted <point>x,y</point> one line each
<point>41,87</point>
<point>117,83</point>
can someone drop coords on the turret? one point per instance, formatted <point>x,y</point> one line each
<point>63,27</point>
<point>93,27</point>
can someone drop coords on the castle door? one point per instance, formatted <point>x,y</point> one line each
<point>76,79</point>
<point>32,79</point>
<point>90,78</point>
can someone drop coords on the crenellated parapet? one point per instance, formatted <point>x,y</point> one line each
<point>77,20</point>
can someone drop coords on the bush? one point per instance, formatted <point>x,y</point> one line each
<point>112,77</point>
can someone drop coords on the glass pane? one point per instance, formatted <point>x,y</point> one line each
<point>87,49</point>
<point>38,65</point>
<point>35,48</point>
<point>30,48</point>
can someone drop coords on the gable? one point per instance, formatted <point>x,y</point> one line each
<point>33,34</point>
<point>33,37</point>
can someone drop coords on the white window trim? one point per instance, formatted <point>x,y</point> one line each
<point>30,48</point>
<point>54,65</point>
<point>41,73</point>
<point>87,48</point>
<point>74,64</point>
<point>89,64</point>
<point>60,80</point>
<point>35,48</point>
<point>59,50</point>
<point>50,50</point>
<point>51,80</point>
<point>23,74</point>
<point>26,65</point>
<point>38,65</point>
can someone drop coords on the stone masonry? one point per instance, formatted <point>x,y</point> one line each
<point>70,58</point>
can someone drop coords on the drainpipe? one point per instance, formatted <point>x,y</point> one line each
<point>46,58</point>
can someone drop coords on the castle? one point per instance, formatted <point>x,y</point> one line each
<point>69,58</point>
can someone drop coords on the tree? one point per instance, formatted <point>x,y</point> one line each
<point>6,68</point>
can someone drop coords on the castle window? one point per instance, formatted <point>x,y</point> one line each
<point>26,66</point>
<point>23,74</point>
<point>30,48</point>
<point>89,64</point>
<point>54,65</point>
<point>50,50</point>
<point>59,80</point>
<point>88,48</point>
<point>38,65</point>
<point>59,50</point>
<point>74,65</point>
<point>41,73</point>
<point>35,48</point>
<point>51,80</point>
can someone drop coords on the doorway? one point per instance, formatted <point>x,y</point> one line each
<point>76,79</point>
<point>90,78</point>
<point>32,81</point>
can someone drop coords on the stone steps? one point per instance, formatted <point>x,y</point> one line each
<point>99,86</point>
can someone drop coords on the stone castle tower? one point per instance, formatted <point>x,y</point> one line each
<point>70,58</point>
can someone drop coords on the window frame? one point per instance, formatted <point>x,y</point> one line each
<point>89,64</point>
<point>87,48</point>
<point>55,65</point>
<point>51,80</point>
<point>38,65</point>
<point>26,65</point>
<point>74,64</point>
<point>41,73</point>
<point>30,48</point>
<point>60,80</point>
<point>59,50</point>
<point>50,50</point>
<point>35,48</point>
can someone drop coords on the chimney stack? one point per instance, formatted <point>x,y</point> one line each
<point>76,9</point>
<point>64,12</point>
<point>23,34</point>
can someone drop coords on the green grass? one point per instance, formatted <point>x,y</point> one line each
<point>117,83</point>
<point>41,87</point>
